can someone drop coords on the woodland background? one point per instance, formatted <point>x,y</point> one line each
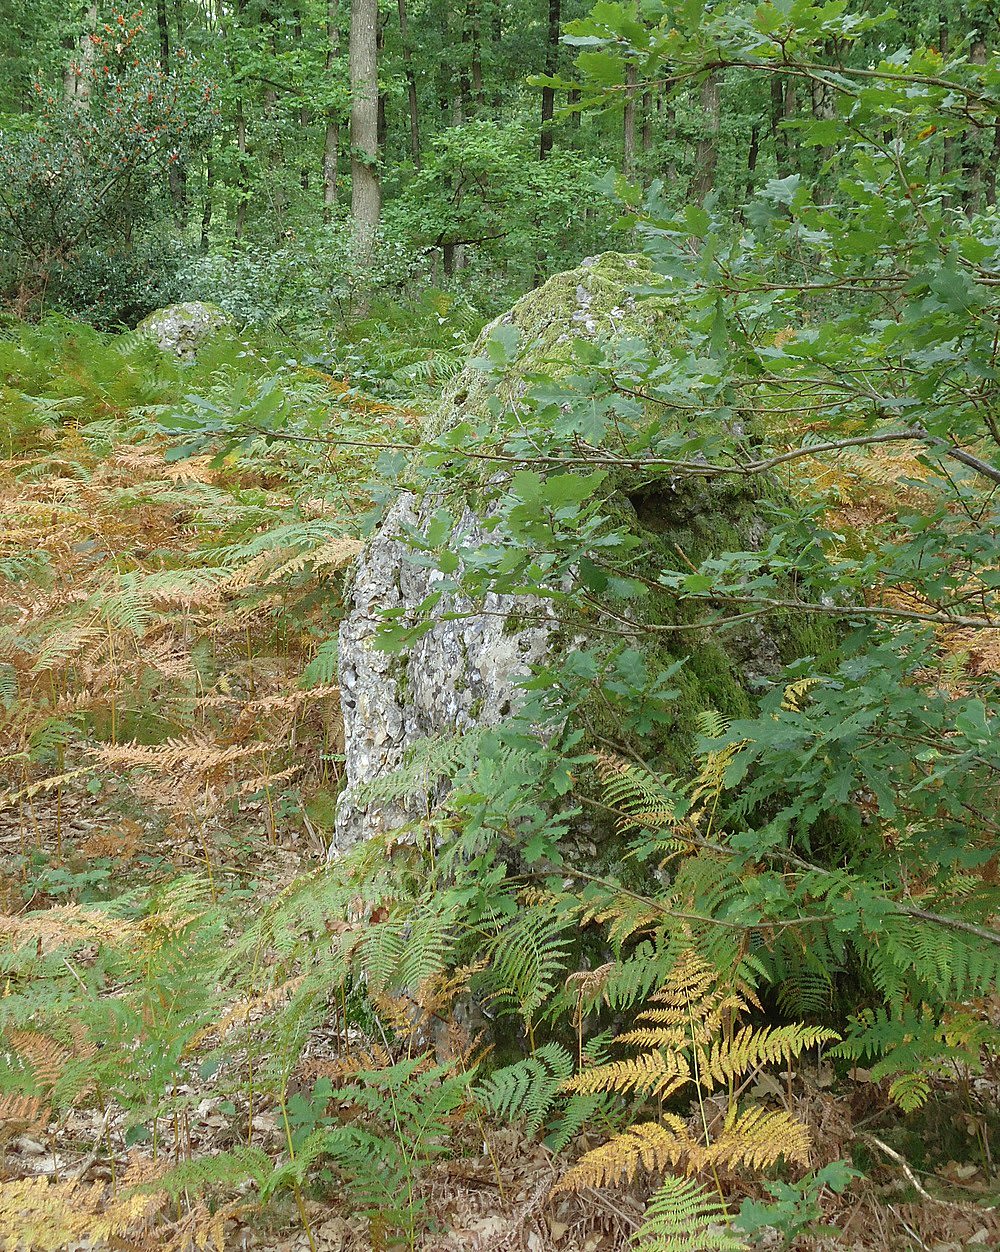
<point>765,1014</point>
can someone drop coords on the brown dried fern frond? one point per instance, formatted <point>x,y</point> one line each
<point>22,1115</point>
<point>243,1011</point>
<point>57,927</point>
<point>194,754</point>
<point>46,1058</point>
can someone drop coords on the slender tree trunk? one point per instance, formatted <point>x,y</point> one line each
<point>990,182</point>
<point>972,152</point>
<point>708,145</point>
<point>163,32</point>
<point>778,136</point>
<point>176,174</point>
<point>206,212</point>
<point>244,179</point>
<point>948,160</point>
<point>305,113</point>
<point>753,152</point>
<point>646,134</point>
<point>366,191</point>
<point>76,77</point>
<point>497,44</point>
<point>382,129</point>
<point>551,65</point>
<point>476,65</point>
<point>331,140</point>
<point>411,84</point>
<point>628,124</point>
<point>461,101</point>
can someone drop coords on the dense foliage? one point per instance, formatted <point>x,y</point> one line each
<point>725,941</point>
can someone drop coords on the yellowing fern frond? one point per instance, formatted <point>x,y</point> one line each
<point>756,1138</point>
<point>752,1047</point>
<point>651,1146</point>
<point>654,1073</point>
<point>792,699</point>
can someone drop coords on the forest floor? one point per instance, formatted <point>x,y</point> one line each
<point>493,1193</point>
<point>156,724</point>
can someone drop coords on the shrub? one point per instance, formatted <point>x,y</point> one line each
<point>96,170</point>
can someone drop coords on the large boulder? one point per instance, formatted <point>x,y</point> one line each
<point>183,328</point>
<point>464,673</point>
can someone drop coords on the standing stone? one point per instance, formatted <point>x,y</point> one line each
<point>463,674</point>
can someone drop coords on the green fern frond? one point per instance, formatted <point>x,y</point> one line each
<point>528,1090</point>
<point>685,1217</point>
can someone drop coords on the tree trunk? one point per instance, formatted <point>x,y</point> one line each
<point>646,135</point>
<point>972,151</point>
<point>752,154</point>
<point>411,84</point>
<point>176,173</point>
<point>460,101</point>
<point>708,145</point>
<point>778,137</point>
<point>478,93</point>
<point>244,179</point>
<point>76,77</point>
<point>551,65</point>
<point>990,185</point>
<point>366,192</point>
<point>382,129</point>
<point>331,140</point>
<point>206,212</point>
<point>948,161</point>
<point>497,45</point>
<point>628,124</point>
<point>305,113</point>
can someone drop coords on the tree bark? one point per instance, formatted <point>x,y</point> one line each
<point>990,184</point>
<point>206,212</point>
<point>752,154</point>
<point>331,139</point>
<point>551,65</point>
<point>707,151</point>
<point>972,152</point>
<point>411,84</point>
<point>176,173</point>
<point>778,137</point>
<point>366,191</point>
<point>244,176</point>
<point>646,134</point>
<point>476,67</point>
<point>628,122</point>
<point>460,101</point>
<point>76,77</point>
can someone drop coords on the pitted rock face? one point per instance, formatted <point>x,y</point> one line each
<point>459,676</point>
<point>183,328</point>
<point>464,672</point>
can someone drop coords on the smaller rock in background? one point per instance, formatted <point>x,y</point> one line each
<point>183,328</point>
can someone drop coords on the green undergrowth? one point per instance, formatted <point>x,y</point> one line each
<point>692,804</point>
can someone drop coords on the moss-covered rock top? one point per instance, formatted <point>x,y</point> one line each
<point>593,301</point>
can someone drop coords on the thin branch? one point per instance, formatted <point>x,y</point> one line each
<point>701,469</point>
